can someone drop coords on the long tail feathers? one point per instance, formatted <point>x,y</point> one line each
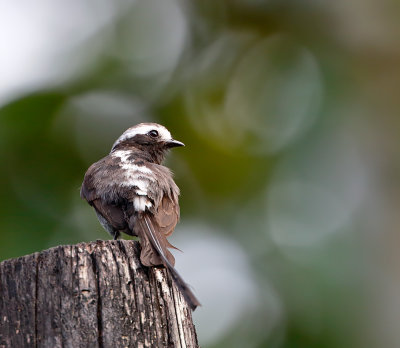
<point>187,293</point>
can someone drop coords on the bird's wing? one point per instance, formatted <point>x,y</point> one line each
<point>88,189</point>
<point>112,213</point>
<point>152,252</point>
<point>167,215</point>
<point>93,192</point>
<point>155,240</point>
<point>96,177</point>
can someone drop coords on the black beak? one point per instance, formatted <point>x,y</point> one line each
<point>173,143</point>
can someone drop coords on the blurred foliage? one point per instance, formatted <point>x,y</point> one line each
<point>290,176</point>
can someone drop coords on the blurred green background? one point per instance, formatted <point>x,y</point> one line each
<point>290,176</point>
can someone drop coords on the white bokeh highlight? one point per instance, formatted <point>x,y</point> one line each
<point>219,271</point>
<point>102,114</point>
<point>273,95</point>
<point>152,37</point>
<point>37,40</point>
<point>260,97</point>
<point>316,192</point>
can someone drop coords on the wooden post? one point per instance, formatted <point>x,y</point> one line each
<point>91,295</point>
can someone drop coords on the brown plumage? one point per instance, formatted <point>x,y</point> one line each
<point>132,193</point>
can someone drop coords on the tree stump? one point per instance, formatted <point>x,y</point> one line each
<point>91,295</point>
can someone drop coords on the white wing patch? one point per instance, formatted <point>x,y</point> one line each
<point>140,203</point>
<point>142,187</point>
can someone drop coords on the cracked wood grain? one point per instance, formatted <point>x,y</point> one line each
<point>91,295</point>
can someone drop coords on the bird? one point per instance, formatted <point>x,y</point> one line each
<point>133,193</point>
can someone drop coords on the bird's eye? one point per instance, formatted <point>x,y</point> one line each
<point>153,133</point>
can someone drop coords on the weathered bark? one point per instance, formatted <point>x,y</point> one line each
<point>91,295</point>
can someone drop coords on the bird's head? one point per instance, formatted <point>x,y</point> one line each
<point>151,138</point>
